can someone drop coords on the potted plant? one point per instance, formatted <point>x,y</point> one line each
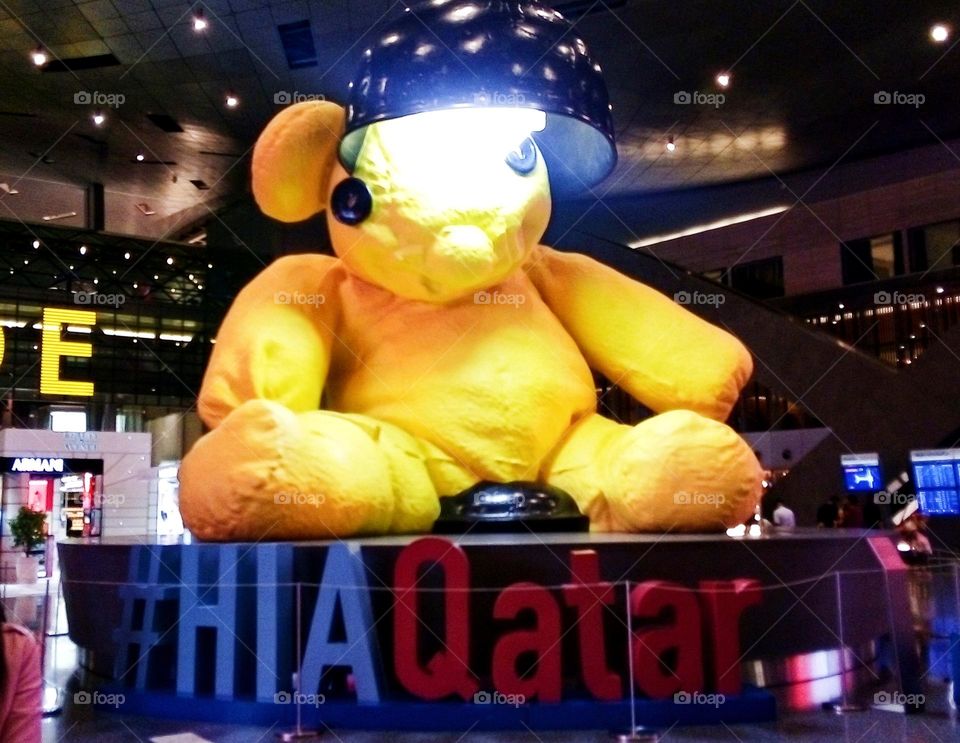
<point>27,529</point>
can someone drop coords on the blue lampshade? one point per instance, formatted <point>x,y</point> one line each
<point>448,54</point>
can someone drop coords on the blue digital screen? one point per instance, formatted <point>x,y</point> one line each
<point>939,502</point>
<point>936,473</point>
<point>862,477</point>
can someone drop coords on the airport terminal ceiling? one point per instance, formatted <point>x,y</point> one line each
<point>163,91</point>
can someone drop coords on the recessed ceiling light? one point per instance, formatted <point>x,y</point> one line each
<point>231,100</point>
<point>126,256</point>
<point>39,56</point>
<point>939,290</point>
<point>939,32</point>
<point>36,244</point>
<point>199,20</point>
<point>140,157</point>
<point>723,79</point>
<point>83,250</point>
<point>98,118</point>
<point>170,261</point>
<point>671,145</point>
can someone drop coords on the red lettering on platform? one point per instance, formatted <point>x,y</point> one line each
<point>656,674</point>
<point>589,596</point>
<point>447,672</point>
<point>723,603</point>
<point>681,637</point>
<point>542,642</point>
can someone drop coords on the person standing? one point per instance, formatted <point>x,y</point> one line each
<point>851,515</point>
<point>20,684</point>
<point>828,513</point>
<point>783,517</point>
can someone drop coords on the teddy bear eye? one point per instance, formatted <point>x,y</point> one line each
<point>523,159</point>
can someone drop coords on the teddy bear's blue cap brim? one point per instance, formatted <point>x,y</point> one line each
<point>458,54</point>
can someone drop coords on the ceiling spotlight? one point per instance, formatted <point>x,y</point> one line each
<point>140,157</point>
<point>723,79</point>
<point>939,32</point>
<point>671,145</point>
<point>199,20</point>
<point>231,100</point>
<point>939,290</point>
<point>126,256</point>
<point>39,56</point>
<point>36,244</point>
<point>99,118</point>
<point>83,250</point>
<point>170,261</point>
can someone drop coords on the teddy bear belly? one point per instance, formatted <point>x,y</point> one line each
<point>494,387</point>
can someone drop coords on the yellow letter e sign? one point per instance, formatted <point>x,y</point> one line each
<point>54,346</point>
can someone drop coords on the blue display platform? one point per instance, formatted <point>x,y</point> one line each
<point>752,706</point>
<point>421,633</point>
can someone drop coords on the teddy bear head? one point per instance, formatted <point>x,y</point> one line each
<point>435,177</point>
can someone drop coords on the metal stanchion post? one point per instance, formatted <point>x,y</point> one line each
<point>299,733</point>
<point>845,704</point>
<point>635,734</point>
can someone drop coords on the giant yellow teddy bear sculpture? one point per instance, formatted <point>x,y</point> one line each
<point>445,346</point>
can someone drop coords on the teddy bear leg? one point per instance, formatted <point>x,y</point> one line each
<point>677,471</point>
<point>269,473</point>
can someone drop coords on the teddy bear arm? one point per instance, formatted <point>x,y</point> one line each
<point>275,342</point>
<point>663,355</point>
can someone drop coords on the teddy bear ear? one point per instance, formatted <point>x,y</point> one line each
<point>293,159</point>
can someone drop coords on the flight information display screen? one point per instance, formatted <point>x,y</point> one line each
<point>861,472</point>
<point>936,473</point>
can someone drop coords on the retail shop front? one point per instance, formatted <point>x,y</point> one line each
<point>69,491</point>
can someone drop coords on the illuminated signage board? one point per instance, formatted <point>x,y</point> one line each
<point>53,347</point>
<point>36,464</point>
<point>51,465</point>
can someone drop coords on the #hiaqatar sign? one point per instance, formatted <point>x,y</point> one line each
<point>221,621</point>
